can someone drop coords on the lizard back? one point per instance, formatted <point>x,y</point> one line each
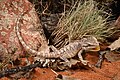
<point>68,51</point>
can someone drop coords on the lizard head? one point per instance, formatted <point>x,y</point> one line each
<point>90,43</point>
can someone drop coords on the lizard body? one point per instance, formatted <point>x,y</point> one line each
<point>68,51</point>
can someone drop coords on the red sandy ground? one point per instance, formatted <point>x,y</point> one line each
<point>108,71</point>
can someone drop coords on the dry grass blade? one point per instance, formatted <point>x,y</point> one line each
<point>82,20</point>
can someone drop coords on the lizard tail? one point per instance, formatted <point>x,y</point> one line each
<point>27,48</point>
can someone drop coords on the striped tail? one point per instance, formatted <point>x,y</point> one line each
<point>27,48</point>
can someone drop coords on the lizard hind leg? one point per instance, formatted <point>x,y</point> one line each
<point>84,62</point>
<point>67,62</point>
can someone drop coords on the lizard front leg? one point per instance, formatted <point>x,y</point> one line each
<point>85,62</point>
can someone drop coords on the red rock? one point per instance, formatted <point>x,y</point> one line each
<point>116,35</point>
<point>9,12</point>
<point>117,22</point>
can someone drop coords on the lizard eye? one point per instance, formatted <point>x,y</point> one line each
<point>89,44</point>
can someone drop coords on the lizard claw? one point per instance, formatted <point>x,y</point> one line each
<point>84,62</point>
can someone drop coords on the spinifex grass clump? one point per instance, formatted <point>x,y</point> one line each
<point>82,20</point>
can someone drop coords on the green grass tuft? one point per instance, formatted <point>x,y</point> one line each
<point>82,20</point>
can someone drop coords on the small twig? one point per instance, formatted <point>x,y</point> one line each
<point>18,69</point>
<point>54,71</point>
<point>101,55</point>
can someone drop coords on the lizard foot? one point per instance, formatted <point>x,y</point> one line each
<point>84,62</point>
<point>67,64</point>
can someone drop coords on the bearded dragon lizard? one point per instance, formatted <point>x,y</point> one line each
<point>72,49</point>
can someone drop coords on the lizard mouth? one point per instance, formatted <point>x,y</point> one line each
<point>97,48</point>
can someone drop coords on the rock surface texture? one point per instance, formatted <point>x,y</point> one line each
<point>31,30</point>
